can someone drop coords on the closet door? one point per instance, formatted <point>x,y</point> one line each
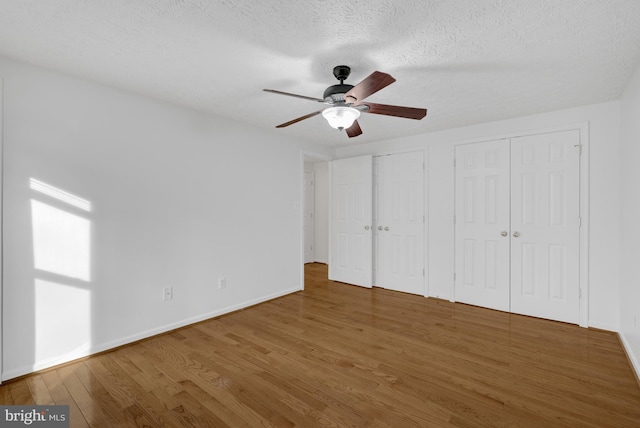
<point>351,217</point>
<point>545,226</point>
<point>482,183</point>
<point>399,222</point>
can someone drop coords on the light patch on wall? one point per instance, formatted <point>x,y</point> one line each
<point>59,194</point>
<point>63,323</point>
<point>62,264</point>
<point>61,242</point>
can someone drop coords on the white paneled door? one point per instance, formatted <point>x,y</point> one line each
<point>399,222</point>
<point>482,224</point>
<point>351,219</point>
<point>545,226</point>
<point>517,214</point>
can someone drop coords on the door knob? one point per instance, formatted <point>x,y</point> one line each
<point>379,227</point>
<point>516,234</point>
<point>366,228</point>
<point>386,228</point>
<point>504,233</point>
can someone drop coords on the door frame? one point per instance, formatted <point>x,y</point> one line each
<point>583,128</point>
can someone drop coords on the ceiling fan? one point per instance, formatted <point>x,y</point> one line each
<point>346,102</point>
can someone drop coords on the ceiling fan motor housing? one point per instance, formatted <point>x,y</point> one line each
<point>336,93</point>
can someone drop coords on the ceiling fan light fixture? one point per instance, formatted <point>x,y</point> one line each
<point>341,117</point>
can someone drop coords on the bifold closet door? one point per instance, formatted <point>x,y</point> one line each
<point>399,222</point>
<point>482,183</point>
<point>351,218</point>
<point>545,226</point>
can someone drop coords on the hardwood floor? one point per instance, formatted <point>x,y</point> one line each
<point>337,355</point>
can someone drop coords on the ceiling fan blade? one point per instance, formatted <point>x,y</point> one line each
<point>306,116</point>
<point>397,111</point>
<point>370,85</point>
<point>354,130</point>
<point>273,91</point>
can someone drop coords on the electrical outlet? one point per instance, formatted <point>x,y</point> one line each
<point>222,283</point>
<point>167,293</point>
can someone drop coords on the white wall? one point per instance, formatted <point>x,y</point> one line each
<point>178,199</point>
<point>604,129</point>
<point>629,221</point>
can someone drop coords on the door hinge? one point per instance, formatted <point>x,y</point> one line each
<point>454,276</point>
<point>454,219</point>
<point>423,166</point>
<point>579,221</point>
<point>579,293</point>
<point>422,271</point>
<point>454,162</point>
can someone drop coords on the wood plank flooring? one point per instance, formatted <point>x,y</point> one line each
<point>337,355</point>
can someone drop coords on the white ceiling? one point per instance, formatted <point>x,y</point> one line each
<point>467,61</point>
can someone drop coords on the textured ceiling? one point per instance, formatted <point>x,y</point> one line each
<point>467,61</point>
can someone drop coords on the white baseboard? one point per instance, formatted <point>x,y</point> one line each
<point>603,326</point>
<point>441,297</point>
<point>94,349</point>
<point>635,364</point>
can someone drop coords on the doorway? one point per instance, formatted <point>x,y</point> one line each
<point>315,211</point>
<point>309,215</point>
